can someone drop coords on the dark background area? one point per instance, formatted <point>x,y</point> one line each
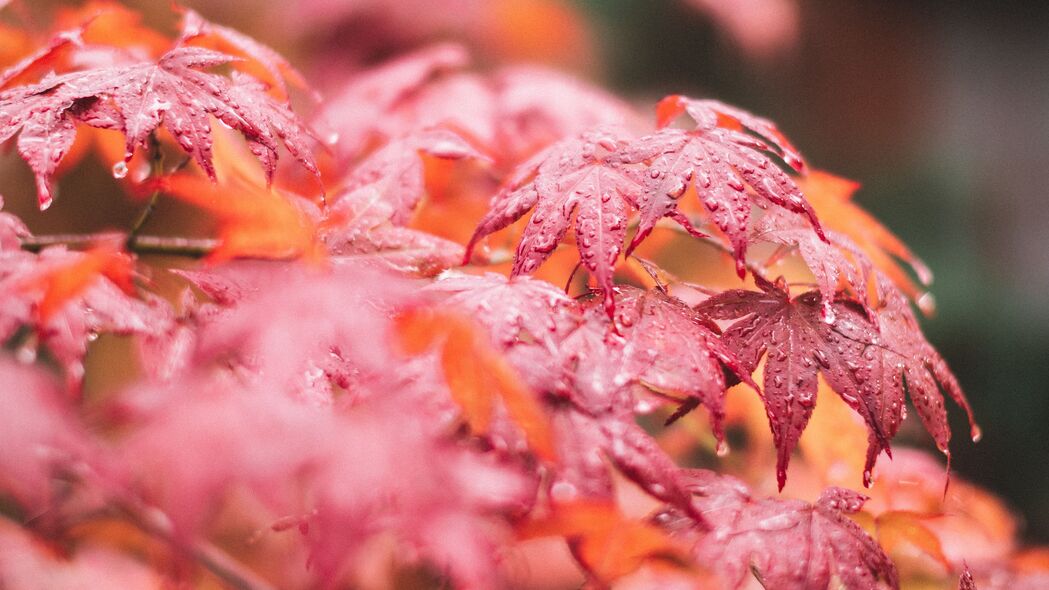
<point>941,110</point>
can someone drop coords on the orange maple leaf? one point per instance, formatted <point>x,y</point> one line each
<point>255,220</point>
<point>62,283</point>
<point>476,374</point>
<point>607,543</point>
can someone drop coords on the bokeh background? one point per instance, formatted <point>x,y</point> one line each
<point>940,110</point>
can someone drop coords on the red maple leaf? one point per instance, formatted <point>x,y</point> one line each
<point>869,363</point>
<point>790,544</point>
<point>174,92</point>
<point>67,298</point>
<point>581,173</point>
<point>721,157</point>
<point>829,260</point>
<point>673,350</point>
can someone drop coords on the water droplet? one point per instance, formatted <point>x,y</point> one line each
<point>563,491</point>
<point>26,354</point>
<point>976,433</point>
<point>827,314</point>
<point>722,448</point>
<point>120,169</point>
<point>927,303</point>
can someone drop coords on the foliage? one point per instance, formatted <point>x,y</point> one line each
<point>357,386</point>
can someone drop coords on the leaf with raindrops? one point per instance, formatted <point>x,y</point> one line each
<point>174,92</point>
<point>789,544</point>
<point>868,362</point>
<point>727,153</point>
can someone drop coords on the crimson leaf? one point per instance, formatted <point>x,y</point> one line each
<point>581,173</point>
<point>721,157</point>
<point>791,545</point>
<point>174,92</point>
<point>868,363</point>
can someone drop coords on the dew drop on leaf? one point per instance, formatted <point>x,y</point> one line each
<point>722,449</point>
<point>120,170</point>
<point>976,433</point>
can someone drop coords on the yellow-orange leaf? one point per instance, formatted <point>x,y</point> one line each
<point>62,283</point>
<point>476,373</point>
<point>831,197</point>
<point>609,545</point>
<point>112,24</point>
<point>899,527</point>
<point>255,220</point>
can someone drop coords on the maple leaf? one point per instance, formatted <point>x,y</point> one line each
<point>275,69</point>
<point>255,222</point>
<point>475,372</point>
<point>721,157</point>
<point>397,170</point>
<point>831,197</point>
<point>790,544</point>
<point>869,363</point>
<point>527,319</point>
<point>255,219</point>
<point>137,99</point>
<point>829,259</point>
<point>519,311</point>
<point>66,299</point>
<point>359,227</point>
<point>537,106</point>
<point>605,542</point>
<point>107,23</point>
<point>373,470</point>
<point>663,345</point>
<point>311,338</point>
<point>38,434</point>
<point>581,173</point>
<point>55,50</point>
<point>575,359</point>
<point>899,527</point>
<point>359,114</point>
<point>966,581</point>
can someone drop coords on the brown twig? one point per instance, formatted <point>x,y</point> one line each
<point>142,245</point>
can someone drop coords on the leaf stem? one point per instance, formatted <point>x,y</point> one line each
<point>755,269</point>
<point>156,169</point>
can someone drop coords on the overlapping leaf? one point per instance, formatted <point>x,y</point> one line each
<point>579,173</point>
<point>869,363</point>
<point>63,300</point>
<point>609,545</point>
<point>831,197</point>
<point>174,92</point>
<point>791,545</point>
<point>723,156</point>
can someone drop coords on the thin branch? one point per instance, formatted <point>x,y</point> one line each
<point>715,243</point>
<point>142,245</point>
<point>156,169</point>
<point>214,559</point>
